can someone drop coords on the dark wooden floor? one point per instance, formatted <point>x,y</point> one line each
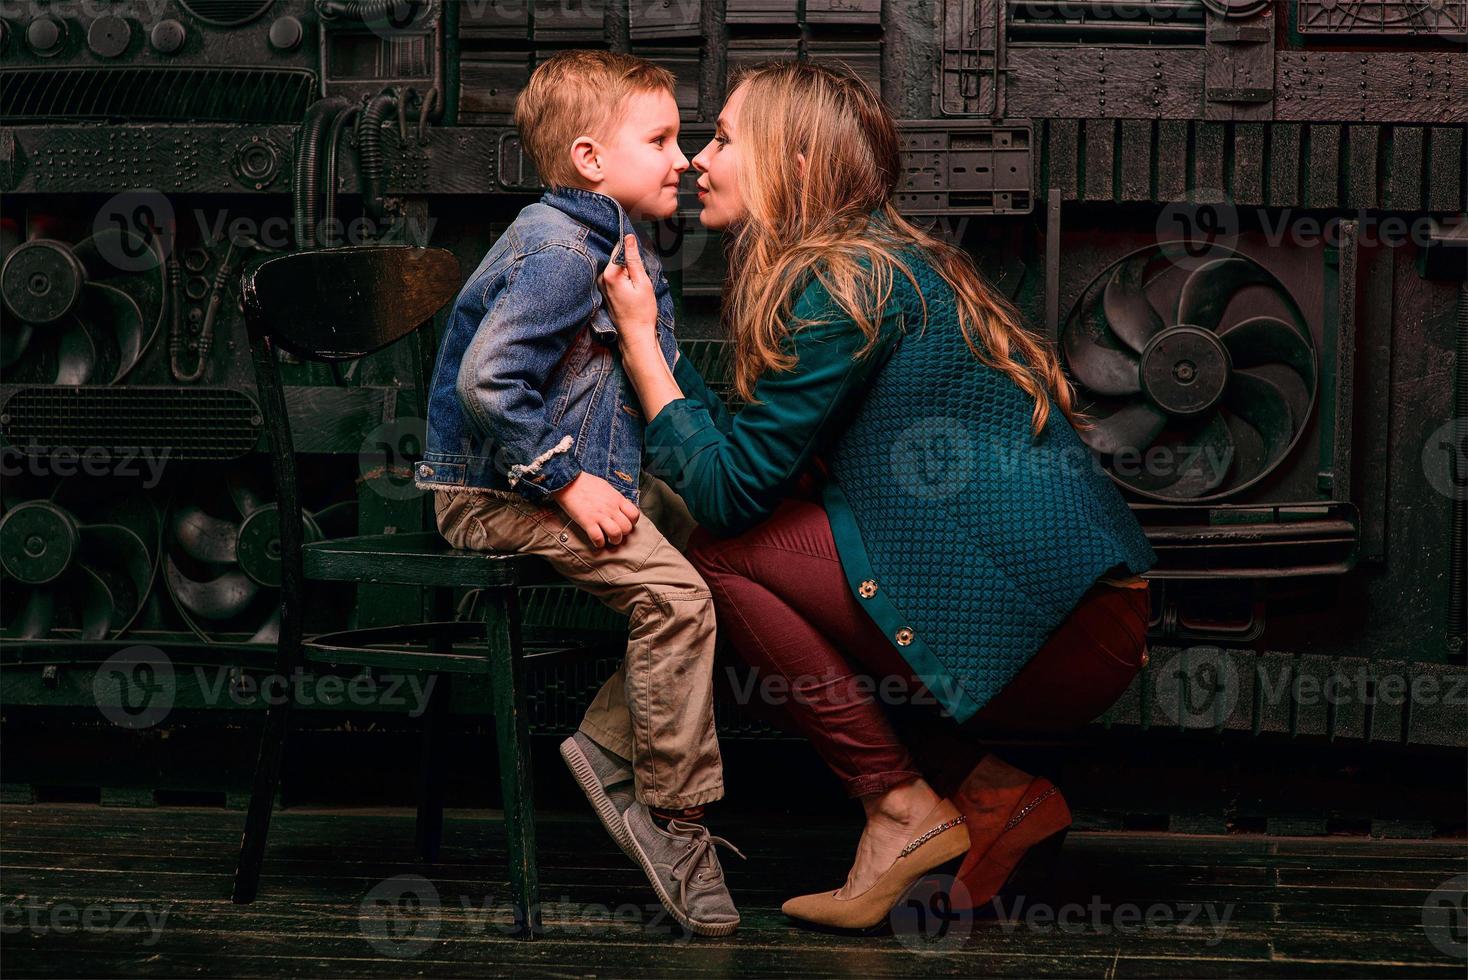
<point>98,891</point>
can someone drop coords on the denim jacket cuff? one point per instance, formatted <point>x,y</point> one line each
<point>547,473</point>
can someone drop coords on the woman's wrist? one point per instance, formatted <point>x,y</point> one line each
<point>640,341</point>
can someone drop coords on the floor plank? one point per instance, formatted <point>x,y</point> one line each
<point>102,891</point>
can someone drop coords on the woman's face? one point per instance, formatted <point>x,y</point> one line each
<point>718,168</point>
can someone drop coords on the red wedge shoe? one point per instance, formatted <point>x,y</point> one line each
<point>1016,823</point>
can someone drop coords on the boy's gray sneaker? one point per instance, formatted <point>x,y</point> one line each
<point>684,870</point>
<point>606,779</point>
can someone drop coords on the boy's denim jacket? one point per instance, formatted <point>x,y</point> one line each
<point>528,389</point>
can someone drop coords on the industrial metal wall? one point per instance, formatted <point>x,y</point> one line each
<point>1241,222</point>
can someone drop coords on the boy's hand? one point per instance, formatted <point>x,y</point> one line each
<point>631,301</point>
<point>598,509</point>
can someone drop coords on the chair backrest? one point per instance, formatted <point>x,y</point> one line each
<point>342,303</point>
<point>329,305</point>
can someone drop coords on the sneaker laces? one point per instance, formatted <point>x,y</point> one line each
<point>700,845</point>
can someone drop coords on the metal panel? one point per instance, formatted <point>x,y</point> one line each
<point>951,168</point>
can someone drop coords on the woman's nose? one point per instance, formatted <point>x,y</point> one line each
<point>698,162</point>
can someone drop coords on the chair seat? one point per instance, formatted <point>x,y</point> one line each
<point>419,558</point>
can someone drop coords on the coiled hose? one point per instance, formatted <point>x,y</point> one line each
<point>371,164</point>
<point>363,10</point>
<point>307,177</point>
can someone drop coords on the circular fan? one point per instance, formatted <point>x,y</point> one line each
<point>222,556</point>
<point>76,560</point>
<point>78,319</point>
<point>1201,376</point>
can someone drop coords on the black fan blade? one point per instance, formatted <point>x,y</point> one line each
<point>1135,427</point>
<point>1128,312</point>
<point>1261,403</point>
<point>1269,340</point>
<point>1203,471</point>
<point>269,631</point>
<point>1095,361</point>
<point>121,559</point>
<point>13,341</point>
<point>1198,464</point>
<point>339,520</point>
<point>245,491</point>
<point>218,599</point>
<point>40,612</point>
<point>1206,293</point>
<point>1291,386</point>
<point>118,314</point>
<point>99,607</point>
<point>1250,454</point>
<point>76,355</point>
<point>205,537</point>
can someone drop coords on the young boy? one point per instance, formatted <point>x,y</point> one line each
<point>535,446</point>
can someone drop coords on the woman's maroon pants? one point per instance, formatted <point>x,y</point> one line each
<point>815,663</point>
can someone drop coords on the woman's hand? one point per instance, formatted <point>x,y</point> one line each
<point>631,302</point>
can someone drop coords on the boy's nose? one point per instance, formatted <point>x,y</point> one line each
<point>682,163</point>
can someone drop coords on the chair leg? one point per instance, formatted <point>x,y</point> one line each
<point>431,770</point>
<point>512,731</point>
<point>262,800</point>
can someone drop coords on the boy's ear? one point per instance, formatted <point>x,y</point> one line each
<point>800,165</point>
<point>586,159</point>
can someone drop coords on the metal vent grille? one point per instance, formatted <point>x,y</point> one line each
<point>178,423</point>
<point>1446,18</point>
<point>226,13</point>
<point>204,93</point>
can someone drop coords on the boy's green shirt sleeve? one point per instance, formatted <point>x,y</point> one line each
<point>731,476</point>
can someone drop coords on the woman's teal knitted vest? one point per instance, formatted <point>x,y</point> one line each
<point>978,537</point>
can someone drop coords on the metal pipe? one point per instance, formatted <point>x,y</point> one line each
<point>1457,634</point>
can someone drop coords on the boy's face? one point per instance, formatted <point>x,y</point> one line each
<point>639,164</point>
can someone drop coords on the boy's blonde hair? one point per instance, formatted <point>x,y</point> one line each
<point>579,93</point>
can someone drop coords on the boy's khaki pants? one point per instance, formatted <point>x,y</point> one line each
<point>657,709</point>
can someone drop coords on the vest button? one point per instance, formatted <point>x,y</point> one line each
<point>904,637</point>
<point>867,589</point>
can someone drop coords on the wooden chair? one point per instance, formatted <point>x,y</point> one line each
<point>338,304</point>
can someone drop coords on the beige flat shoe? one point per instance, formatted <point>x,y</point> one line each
<point>946,840</point>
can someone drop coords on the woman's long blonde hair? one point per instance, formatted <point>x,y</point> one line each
<point>821,224</point>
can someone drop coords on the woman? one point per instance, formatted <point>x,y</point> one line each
<point>960,548</point>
